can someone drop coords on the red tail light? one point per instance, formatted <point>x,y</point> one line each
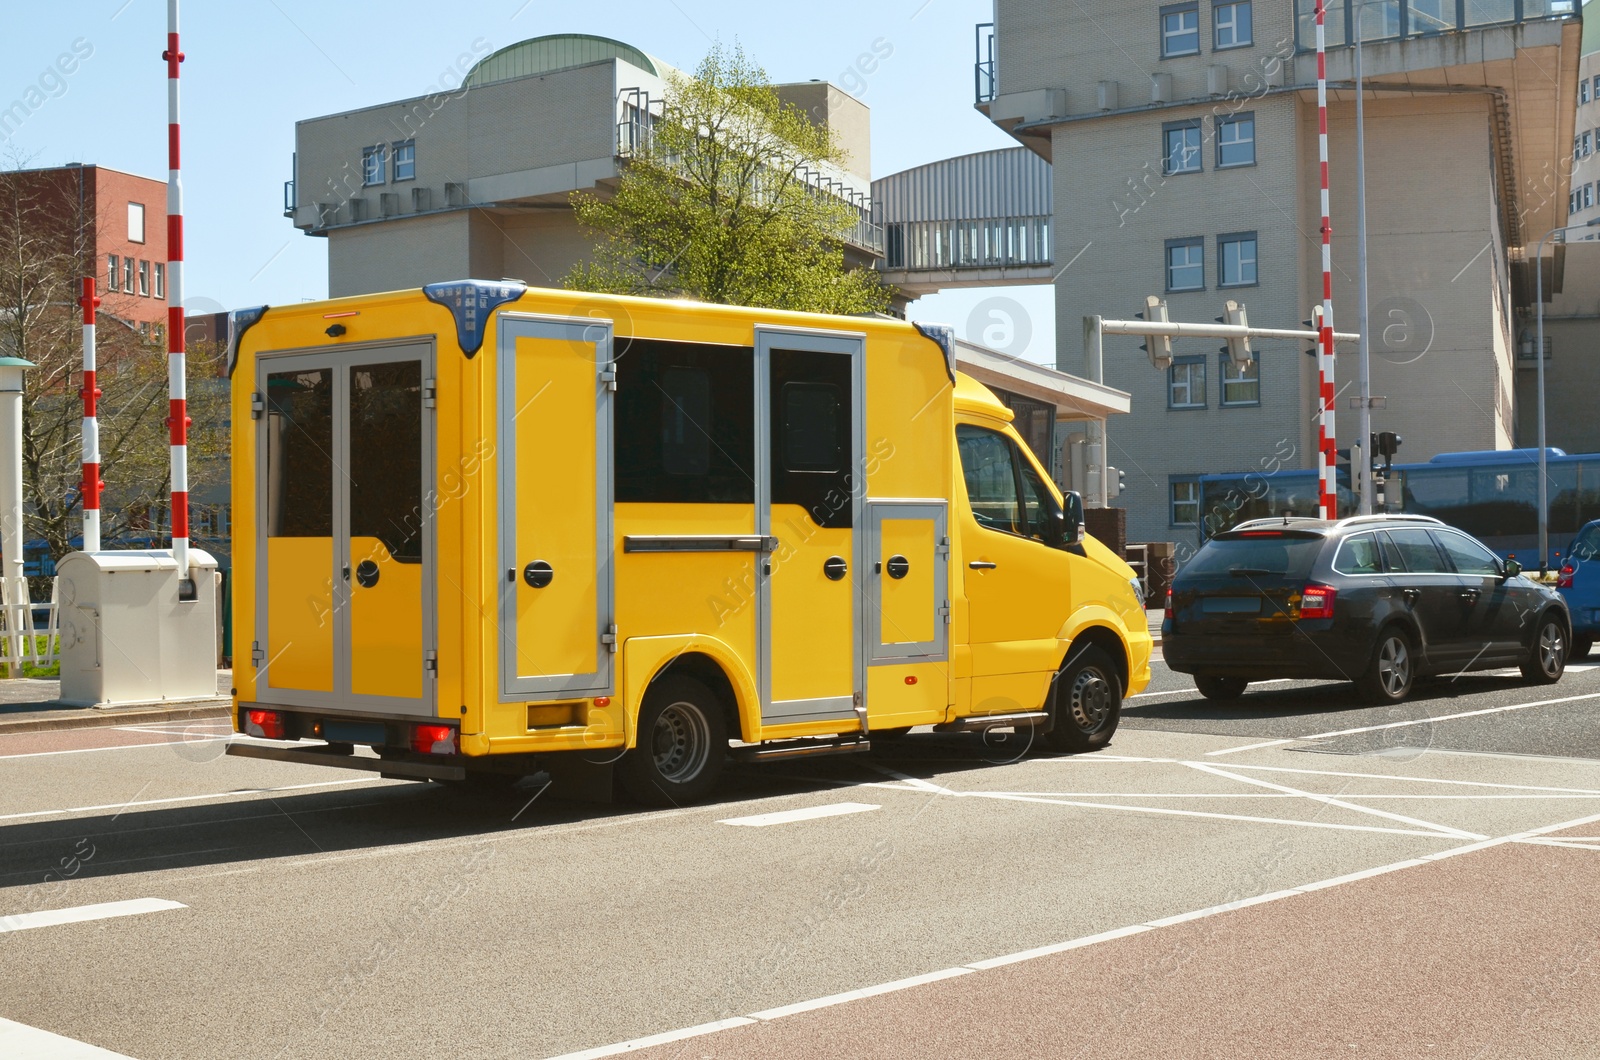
<point>434,740</point>
<point>1168,612</point>
<point>1316,601</point>
<point>1564,578</point>
<point>267,724</point>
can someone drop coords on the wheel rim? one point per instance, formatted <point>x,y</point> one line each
<point>1394,666</point>
<point>681,742</point>
<point>1551,644</point>
<point>1090,699</point>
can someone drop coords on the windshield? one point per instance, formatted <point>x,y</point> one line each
<point>1257,556</point>
<point>1587,543</point>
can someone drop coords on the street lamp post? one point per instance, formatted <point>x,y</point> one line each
<point>1364,426</point>
<point>1538,360</point>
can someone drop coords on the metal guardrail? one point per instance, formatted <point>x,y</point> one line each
<point>985,71</point>
<point>1403,19</point>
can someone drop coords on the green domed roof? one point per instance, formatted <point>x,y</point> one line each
<point>559,51</point>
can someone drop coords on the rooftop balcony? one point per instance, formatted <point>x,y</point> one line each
<point>1382,20</point>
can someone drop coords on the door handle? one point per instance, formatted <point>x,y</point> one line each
<point>1411,595</point>
<point>1469,594</point>
<point>983,564</point>
<point>538,574</point>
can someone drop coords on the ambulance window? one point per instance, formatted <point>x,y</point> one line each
<point>810,459</point>
<point>812,416</point>
<point>990,476</point>
<point>299,454</point>
<point>386,456</point>
<point>686,424</point>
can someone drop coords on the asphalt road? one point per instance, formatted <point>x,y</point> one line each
<point>1209,886</point>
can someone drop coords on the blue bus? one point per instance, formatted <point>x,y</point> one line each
<point>1491,494</point>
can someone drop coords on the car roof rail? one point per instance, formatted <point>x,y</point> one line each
<point>1278,520</point>
<point>1395,517</point>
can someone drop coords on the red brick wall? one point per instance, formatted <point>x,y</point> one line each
<point>113,191</point>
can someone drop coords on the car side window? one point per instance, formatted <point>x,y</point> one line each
<point>990,477</point>
<point>1468,556</point>
<point>1039,507</point>
<point>1417,551</point>
<point>1359,555</point>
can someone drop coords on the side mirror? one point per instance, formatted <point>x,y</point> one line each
<point>1072,519</point>
<point>1510,570</point>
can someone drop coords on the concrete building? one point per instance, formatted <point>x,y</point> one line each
<point>1183,138</point>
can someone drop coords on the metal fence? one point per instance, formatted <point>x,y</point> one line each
<point>1400,19</point>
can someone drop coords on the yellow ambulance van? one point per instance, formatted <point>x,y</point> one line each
<point>481,528</point>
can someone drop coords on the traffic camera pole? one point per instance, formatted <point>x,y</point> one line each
<point>91,425</point>
<point>178,411</point>
<point>1326,444</point>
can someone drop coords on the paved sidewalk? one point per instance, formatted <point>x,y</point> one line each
<point>29,704</point>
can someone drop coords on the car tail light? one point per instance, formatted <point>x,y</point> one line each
<point>1564,578</point>
<point>434,739</point>
<point>1168,613</point>
<point>1316,601</point>
<point>267,724</point>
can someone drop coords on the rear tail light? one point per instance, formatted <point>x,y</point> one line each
<point>1316,601</point>
<point>1168,612</point>
<point>266,724</point>
<point>1564,578</point>
<point>434,739</point>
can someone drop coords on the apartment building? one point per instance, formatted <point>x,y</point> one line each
<point>1183,138</point>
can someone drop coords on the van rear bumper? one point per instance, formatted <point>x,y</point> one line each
<point>442,769</point>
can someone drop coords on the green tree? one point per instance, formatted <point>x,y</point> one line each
<point>714,203</point>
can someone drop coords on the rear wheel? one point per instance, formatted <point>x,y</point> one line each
<point>682,744</point>
<point>1389,675</point>
<point>1547,657</point>
<point>1581,647</point>
<point>1086,702</point>
<point>1222,689</point>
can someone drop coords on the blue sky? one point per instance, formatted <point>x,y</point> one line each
<point>254,68</point>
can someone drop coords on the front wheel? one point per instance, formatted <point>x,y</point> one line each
<point>1389,675</point>
<point>1547,657</point>
<point>1222,689</point>
<point>1086,702</point>
<point>682,744</point>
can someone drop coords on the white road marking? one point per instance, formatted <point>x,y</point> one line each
<point>809,813</point>
<point>122,806</point>
<point>1404,724</point>
<point>18,1041</point>
<point>1060,947</point>
<point>79,914</point>
<point>137,746</point>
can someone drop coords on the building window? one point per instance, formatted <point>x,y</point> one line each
<point>1186,383</point>
<point>1588,196</point>
<point>1241,386</point>
<point>127,275</point>
<point>161,280</point>
<point>373,160</point>
<point>1236,260</point>
<point>1186,264</point>
<point>1236,140</point>
<point>1583,91</point>
<point>1180,30</point>
<point>1587,142</point>
<point>135,222</point>
<point>405,160</point>
<point>1596,86</point>
<point>144,278</point>
<point>1232,23</point>
<point>1185,502</point>
<point>111,272</point>
<point>1180,144</point>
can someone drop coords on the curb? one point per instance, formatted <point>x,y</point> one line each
<point>92,717</point>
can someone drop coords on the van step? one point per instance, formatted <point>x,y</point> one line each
<point>1034,719</point>
<point>777,750</point>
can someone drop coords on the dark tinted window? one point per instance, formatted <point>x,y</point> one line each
<point>1279,554</point>
<point>386,456</point>
<point>1417,552</point>
<point>299,443</point>
<point>1359,555</point>
<point>811,403</point>
<point>685,423</point>
<point>1467,555</point>
<point>1039,508</point>
<point>812,418</point>
<point>990,477</point>
<point>1587,544</point>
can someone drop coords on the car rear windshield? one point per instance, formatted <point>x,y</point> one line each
<point>1587,544</point>
<point>1281,555</point>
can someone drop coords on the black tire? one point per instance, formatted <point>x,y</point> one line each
<point>682,744</point>
<point>1086,702</point>
<point>1221,689</point>
<point>1393,669</point>
<point>1581,646</point>
<point>1547,655</point>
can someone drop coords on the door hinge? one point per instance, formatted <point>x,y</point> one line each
<point>430,393</point>
<point>608,375</point>
<point>430,661</point>
<point>943,548</point>
<point>944,612</point>
<point>257,656</point>
<point>258,405</point>
<point>609,639</point>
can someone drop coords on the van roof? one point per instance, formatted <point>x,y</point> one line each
<point>973,396</point>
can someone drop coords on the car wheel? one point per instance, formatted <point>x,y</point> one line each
<point>1547,658</point>
<point>1086,702</point>
<point>682,744</point>
<point>1389,675</point>
<point>1222,689</point>
<point>1581,647</point>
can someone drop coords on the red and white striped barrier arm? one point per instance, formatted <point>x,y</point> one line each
<point>1327,446</point>
<point>91,425</point>
<point>178,413</point>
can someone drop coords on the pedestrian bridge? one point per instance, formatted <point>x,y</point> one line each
<point>979,220</point>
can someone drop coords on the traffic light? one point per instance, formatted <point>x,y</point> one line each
<point>1315,324</point>
<point>1386,443</point>
<point>1159,347</point>
<point>1116,482</point>
<point>1238,350</point>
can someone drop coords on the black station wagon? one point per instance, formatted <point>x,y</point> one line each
<point>1379,600</point>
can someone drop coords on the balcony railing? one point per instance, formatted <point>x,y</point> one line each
<point>1401,19</point>
<point>985,73</point>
